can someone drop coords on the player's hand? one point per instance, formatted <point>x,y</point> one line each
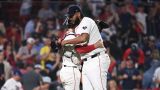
<point>59,41</point>
<point>63,42</point>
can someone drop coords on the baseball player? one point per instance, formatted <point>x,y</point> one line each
<point>96,62</point>
<point>14,82</point>
<point>70,74</point>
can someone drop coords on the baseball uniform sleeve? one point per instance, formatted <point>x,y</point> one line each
<point>84,27</point>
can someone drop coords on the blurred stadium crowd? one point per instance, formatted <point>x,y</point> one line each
<point>29,30</point>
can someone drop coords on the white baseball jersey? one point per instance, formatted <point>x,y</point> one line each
<point>157,74</point>
<point>12,84</point>
<point>94,71</point>
<point>69,73</point>
<point>69,51</point>
<point>87,25</point>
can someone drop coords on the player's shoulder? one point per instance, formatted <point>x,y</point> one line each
<point>69,35</point>
<point>87,19</point>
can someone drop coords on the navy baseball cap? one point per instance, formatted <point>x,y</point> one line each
<point>73,9</point>
<point>17,72</point>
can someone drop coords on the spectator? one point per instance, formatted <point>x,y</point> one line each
<point>112,68</point>
<point>46,84</point>
<point>148,75</point>
<point>52,61</point>
<point>2,73</point>
<point>5,69</point>
<point>150,21</point>
<point>14,35</point>
<point>148,47</point>
<point>152,43</point>
<point>26,54</point>
<point>157,19</point>
<point>114,48</point>
<point>95,6</point>
<point>124,25</point>
<point>141,17</point>
<point>50,24</point>
<point>109,15</point>
<point>45,12</point>
<point>47,54</point>
<point>148,55</point>
<point>38,68</point>
<point>86,9</point>
<point>112,85</point>
<point>122,66</point>
<point>46,71</point>
<point>2,28</point>
<point>25,8</point>
<point>38,45</point>
<point>53,66</point>
<point>2,41</point>
<point>136,54</point>
<point>130,7</point>
<point>31,79</point>
<point>136,31</point>
<point>130,76</point>
<point>30,27</point>
<point>148,44</point>
<point>14,82</point>
<point>9,54</point>
<point>39,28</point>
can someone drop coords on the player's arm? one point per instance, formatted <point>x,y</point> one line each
<point>84,28</point>
<point>88,48</point>
<point>85,49</point>
<point>80,39</point>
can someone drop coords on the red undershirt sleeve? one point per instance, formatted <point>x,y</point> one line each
<point>85,49</point>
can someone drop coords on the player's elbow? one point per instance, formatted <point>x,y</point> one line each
<point>84,38</point>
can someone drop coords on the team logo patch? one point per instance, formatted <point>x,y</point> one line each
<point>84,27</point>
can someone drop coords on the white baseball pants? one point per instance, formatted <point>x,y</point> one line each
<point>70,77</point>
<point>94,72</point>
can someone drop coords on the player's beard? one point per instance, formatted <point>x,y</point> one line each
<point>73,23</point>
<point>76,22</point>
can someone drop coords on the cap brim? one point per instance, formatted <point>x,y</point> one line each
<point>70,13</point>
